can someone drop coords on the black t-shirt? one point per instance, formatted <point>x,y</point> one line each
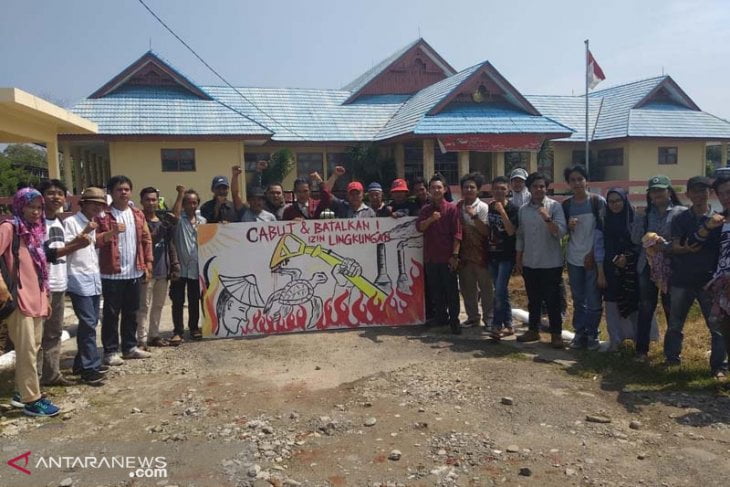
<point>226,213</point>
<point>407,208</point>
<point>693,270</point>
<point>501,246</point>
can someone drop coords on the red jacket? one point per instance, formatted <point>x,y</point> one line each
<point>109,259</point>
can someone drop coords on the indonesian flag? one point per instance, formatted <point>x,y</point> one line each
<point>594,73</point>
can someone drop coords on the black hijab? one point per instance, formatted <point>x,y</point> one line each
<point>617,226</point>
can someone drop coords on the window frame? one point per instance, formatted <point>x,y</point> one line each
<point>306,155</point>
<point>166,156</point>
<point>604,159</point>
<point>664,152</point>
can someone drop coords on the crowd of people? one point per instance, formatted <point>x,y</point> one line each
<point>131,257</point>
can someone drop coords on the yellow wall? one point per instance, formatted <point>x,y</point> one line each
<point>142,163</point>
<point>645,157</point>
<point>641,158</point>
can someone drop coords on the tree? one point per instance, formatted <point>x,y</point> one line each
<point>367,165</point>
<point>281,164</point>
<point>12,177</point>
<point>26,155</point>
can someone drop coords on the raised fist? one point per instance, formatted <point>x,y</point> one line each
<point>339,170</point>
<point>436,216</point>
<point>236,171</point>
<point>180,188</point>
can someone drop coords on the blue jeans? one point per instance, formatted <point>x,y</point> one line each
<point>682,300</point>
<point>501,271</point>
<point>587,304</point>
<point>87,311</point>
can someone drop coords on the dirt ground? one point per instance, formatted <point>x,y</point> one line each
<point>378,406</point>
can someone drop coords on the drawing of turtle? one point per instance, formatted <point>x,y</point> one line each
<point>297,292</point>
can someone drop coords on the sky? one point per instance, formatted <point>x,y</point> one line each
<point>65,50</point>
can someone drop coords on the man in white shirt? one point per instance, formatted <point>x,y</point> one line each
<point>84,285</point>
<point>56,249</point>
<point>125,258</point>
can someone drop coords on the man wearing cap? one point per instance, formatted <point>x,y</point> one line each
<point>520,193</point>
<point>375,198</point>
<point>354,206</point>
<point>400,205</point>
<point>219,208</point>
<point>693,264</point>
<point>305,207</point>
<point>84,285</point>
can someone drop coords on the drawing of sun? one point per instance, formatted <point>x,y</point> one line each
<point>213,238</point>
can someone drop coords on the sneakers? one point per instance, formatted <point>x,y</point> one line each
<point>61,381</point>
<point>15,401</point>
<point>469,323</point>
<point>593,344</point>
<point>578,342</point>
<point>92,377</point>
<point>113,359</point>
<point>556,340</point>
<point>529,336</point>
<point>103,369</point>
<point>42,408</point>
<point>720,375</point>
<point>136,353</point>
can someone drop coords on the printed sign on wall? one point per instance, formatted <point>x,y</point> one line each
<point>265,278</point>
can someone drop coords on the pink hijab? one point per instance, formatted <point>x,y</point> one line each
<point>33,234</point>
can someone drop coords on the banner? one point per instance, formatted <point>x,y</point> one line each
<point>265,278</point>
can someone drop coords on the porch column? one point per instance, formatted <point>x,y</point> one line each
<point>98,177</point>
<point>498,164</point>
<point>54,171</point>
<point>87,169</point>
<point>532,165</point>
<point>67,165</point>
<point>400,161</point>
<point>723,151</point>
<point>106,171</point>
<point>463,161</point>
<point>78,174</point>
<point>429,159</point>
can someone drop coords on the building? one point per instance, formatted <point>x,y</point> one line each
<point>160,128</point>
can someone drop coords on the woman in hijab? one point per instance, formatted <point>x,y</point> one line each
<point>21,240</point>
<point>619,269</point>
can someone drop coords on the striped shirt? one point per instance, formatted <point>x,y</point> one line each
<point>127,247</point>
<point>83,265</point>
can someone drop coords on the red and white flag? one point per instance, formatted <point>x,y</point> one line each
<point>594,73</point>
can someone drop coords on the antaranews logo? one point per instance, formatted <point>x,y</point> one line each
<point>137,467</point>
<point>14,462</point>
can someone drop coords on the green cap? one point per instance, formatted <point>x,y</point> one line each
<point>659,181</point>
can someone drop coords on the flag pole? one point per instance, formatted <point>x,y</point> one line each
<point>588,152</point>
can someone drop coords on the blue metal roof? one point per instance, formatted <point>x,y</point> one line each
<point>418,105</point>
<point>164,111</point>
<point>661,119</point>
<point>312,115</point>
<point>569,111</point>
<point>473,118</point>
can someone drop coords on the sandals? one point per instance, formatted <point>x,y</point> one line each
<point>196,335</point>
<point>175,340</point>
<point>158,342</point>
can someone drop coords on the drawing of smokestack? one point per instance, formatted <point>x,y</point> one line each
<point>383,280</point>
<point>404,282</point>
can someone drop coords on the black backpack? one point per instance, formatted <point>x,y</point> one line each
<point>595,208</point>
<point>12,279</point>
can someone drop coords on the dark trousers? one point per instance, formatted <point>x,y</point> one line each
<point>121,296</point>
<point>543,285</point>
<point>648,299</point>
<point>177,296</point>
<point>443,290</point>
<point>87,311</point>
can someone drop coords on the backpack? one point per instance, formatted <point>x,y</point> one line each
<point>12,279</point>
<point>598,212</point>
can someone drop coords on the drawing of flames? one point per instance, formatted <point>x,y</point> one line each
<point>361,303</point>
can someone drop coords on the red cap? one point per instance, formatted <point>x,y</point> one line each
<point>355,186</point>
<point>399,185</point>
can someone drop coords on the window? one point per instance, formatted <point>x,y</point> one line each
<point>513,160</point>
<point>251,158</point>
<point>611,157</point>
<point>178,160</point>
<point>413,159</point>
<point>668,155</point>
<point>446,164</point>
<point>308,162</point>
<point>339,159</point>
<point>579,157</point>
